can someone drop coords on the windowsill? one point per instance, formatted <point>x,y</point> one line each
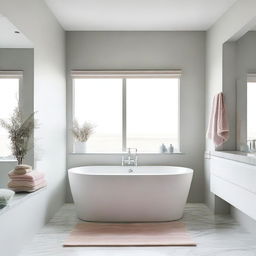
<point>8,160</point>
<point>18,199</point>
<point>122,153</point>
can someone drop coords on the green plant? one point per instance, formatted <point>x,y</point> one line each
<point>83,132</point>
<point>20,132</point>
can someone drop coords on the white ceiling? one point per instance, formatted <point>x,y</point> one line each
<point>10,39</point>
<point>148,15</point>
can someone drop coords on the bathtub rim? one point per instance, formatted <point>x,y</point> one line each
<point>75,170</point>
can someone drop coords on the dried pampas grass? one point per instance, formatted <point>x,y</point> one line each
<point>83,132</point>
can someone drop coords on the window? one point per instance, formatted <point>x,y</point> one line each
<point>128,110</point>
<point>9,97</point>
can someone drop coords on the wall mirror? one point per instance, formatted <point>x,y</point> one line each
<point>239,86</point>
<point>16,81</point>
<point>246,91</point>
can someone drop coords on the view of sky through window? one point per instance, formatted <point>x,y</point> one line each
<point>152,113</point>
<point>9,93</point>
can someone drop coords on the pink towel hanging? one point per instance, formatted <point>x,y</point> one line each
<point>218,128</point>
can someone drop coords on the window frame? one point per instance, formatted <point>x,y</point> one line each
<point>11,74</point>
<point>121,74</point>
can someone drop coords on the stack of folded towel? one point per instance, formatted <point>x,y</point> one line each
<point>24,179</point>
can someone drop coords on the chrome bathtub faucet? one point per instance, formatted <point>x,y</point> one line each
<point>131,158</point>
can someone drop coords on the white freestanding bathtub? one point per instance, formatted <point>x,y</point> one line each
<point>115,194</point>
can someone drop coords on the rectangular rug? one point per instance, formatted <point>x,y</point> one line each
<point>129,234</point>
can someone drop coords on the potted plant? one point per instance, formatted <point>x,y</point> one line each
<point>20,131</point>
<point>81,134</point>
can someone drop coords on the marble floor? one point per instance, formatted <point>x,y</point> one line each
<point>215,236</point>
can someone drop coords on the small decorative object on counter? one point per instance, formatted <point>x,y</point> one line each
<point>81,135</point>
<point>171,148</point>
<point>6,196</point>
<point>79,147</point>
<point>163,149</point>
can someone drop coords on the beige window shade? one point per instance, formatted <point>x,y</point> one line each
<point>126,73</point>
<point>251,77</point>
<point>11,74</point>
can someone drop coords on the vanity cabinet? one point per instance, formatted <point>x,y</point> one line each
<point>234,182</point>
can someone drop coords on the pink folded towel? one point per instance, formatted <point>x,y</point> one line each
<point>25,183</point>
<point>31,176</point>
<point>218,129</point>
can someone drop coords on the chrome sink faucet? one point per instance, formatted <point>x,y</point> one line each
<point>131,158</point>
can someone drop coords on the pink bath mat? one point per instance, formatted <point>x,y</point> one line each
<point>129,234</point>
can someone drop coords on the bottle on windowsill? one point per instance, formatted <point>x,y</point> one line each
<point>171,149</point>
<point>163,149</point>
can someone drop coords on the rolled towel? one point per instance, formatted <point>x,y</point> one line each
<point>25,183</point>
<point>29,189</point>
<point>5,197</point>
<point>22,169</point>
<point>31,176</point>
<point>23,166</point>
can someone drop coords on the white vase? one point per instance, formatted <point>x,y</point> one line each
<point>80,147</point>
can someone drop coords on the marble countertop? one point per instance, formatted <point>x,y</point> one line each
<point>247,158</point>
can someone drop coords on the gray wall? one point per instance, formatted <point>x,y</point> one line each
<point>229,91</point>
<point>48,38</point>
<point>148,50</point>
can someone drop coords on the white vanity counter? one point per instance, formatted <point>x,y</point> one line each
<point>247,158</point>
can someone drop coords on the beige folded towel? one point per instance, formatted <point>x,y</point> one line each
<point>29,189</point>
